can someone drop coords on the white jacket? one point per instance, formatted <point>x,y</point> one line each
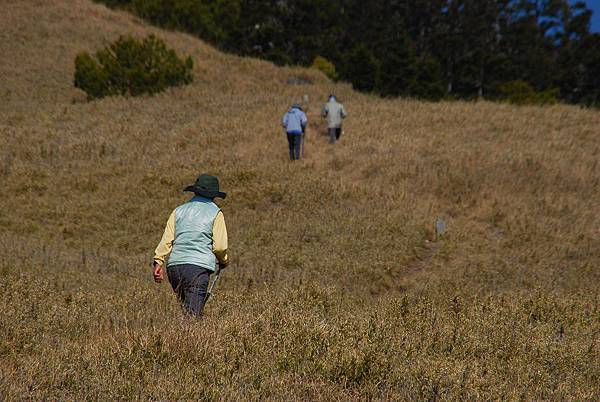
<point>334,112</point>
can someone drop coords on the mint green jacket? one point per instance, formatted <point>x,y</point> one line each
<point>193,242</point>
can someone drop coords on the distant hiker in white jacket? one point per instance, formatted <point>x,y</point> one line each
<point>334,112</point>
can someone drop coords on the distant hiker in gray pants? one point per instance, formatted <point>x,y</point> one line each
<point>294,122</point>
<point>334,112</point>
<point>195,239</point>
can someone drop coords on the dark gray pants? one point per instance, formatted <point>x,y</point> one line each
<point>334,134</point>
<point>295,145</point>
<point>189,283</point>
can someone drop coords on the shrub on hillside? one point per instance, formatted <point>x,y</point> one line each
<point>131,67</point>
<point>522,93</point>
<point>325,66</point>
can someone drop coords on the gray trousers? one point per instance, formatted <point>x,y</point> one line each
<point>334,134</point>
<point>189,283</point>
<point>295,145</point>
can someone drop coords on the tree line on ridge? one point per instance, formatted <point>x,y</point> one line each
<point>537,50</point>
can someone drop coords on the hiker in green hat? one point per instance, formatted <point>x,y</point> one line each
<point>195,239</point>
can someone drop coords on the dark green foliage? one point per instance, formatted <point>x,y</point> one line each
<point>522,93</point>
<point>90,76</point>
<point>362,69</point>
<point>428,49</point>
<point>131,67</point>
<point>589,61</point>
<point>213,20</point>
<point>117,3</point>
<point>580,79</point>
<point>428,83</point>
<point>397,74</point>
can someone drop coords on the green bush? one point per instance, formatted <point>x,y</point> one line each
<point>131,67</point>
<point>522,93</point>
<point>325,66</point>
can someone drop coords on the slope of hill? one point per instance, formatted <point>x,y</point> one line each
<point>339,288</point>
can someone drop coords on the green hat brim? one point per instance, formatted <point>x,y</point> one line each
<point>205,193</point>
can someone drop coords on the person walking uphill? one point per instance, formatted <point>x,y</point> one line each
<point>334,112</point>
<point>195,239</point>
<point>294,122</point>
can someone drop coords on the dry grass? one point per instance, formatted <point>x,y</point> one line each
<point>338,289</point>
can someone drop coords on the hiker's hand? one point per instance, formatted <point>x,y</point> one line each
<point>223,265</point>
<point>158,273</point>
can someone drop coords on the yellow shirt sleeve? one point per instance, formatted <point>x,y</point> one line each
<point>220,238</point>
<point>166,243</point>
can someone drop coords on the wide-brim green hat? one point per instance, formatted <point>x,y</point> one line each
<point>206,186</point>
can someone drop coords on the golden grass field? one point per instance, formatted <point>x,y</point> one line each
<point>339,288</point>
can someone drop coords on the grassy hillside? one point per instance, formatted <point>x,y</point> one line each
<point>339,288</point>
